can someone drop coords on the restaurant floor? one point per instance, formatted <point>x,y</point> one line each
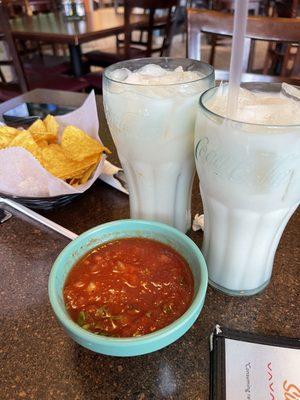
<point>178,49</point>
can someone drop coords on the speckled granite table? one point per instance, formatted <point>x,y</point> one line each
<point>38,361</point>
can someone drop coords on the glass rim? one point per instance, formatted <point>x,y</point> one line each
<point>208,76</point>
<point>236,121</point>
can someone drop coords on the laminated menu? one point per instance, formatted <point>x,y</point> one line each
<point>245,366</point>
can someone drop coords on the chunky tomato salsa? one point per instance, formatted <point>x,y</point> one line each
<point>128,287</point>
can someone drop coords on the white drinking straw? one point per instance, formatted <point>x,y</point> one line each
<point>236,61</point>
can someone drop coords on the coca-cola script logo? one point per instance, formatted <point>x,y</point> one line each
<point>260,169</point>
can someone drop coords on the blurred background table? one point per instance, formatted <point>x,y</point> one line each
<point>54,28</point>
<point>38,361</point>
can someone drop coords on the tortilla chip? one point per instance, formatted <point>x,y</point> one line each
<point>51,124</point>
<point>7,134</point>
<point>48,136</point>
<point>37,127</point>
<point>78,145</point>
<point>88,173</point>
<point>74,160</point>
<point>55,160</point>
<point>41,143</point>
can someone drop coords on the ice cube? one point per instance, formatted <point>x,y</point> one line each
<point>152,74</point>
<point>137,79</point>
<point>261,107</point>
<point>178,69</point>
<point>246,97</point>
<point>151,70</point>
<point>120,74</point>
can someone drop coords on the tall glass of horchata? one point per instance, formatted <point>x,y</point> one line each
<point>249,171</point>
<point>150,106</point>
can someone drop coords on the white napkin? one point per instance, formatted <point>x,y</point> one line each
<point>198,222</point>
<point>114,177</point>
<point>22,175</point>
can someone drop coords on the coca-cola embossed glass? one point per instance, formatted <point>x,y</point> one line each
<point>152,120</point>
<point>250,186</point>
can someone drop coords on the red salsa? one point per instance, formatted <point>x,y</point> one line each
<point>128,287</point>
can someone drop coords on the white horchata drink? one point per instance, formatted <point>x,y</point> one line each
<point>151,112</point>
<point>249,173</point>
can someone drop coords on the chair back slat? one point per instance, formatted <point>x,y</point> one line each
<point>5,27</point>
<point>259,28</point>
<point>151,9</point>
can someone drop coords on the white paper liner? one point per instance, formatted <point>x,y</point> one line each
<point>22,175</point>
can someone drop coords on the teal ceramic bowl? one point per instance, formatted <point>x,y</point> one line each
<point>116,230</point>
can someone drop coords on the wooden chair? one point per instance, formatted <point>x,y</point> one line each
<point>16,8</point>
<point>258,28</point>
<point>136,49</point>
<point>287,8</point>
<point>280,55</point>
<point>11,89</point>
<point>43,6</point>
<point>223,76</point>
<point>29,81</point>
<point>32,52</point>
<point>254,8</point>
